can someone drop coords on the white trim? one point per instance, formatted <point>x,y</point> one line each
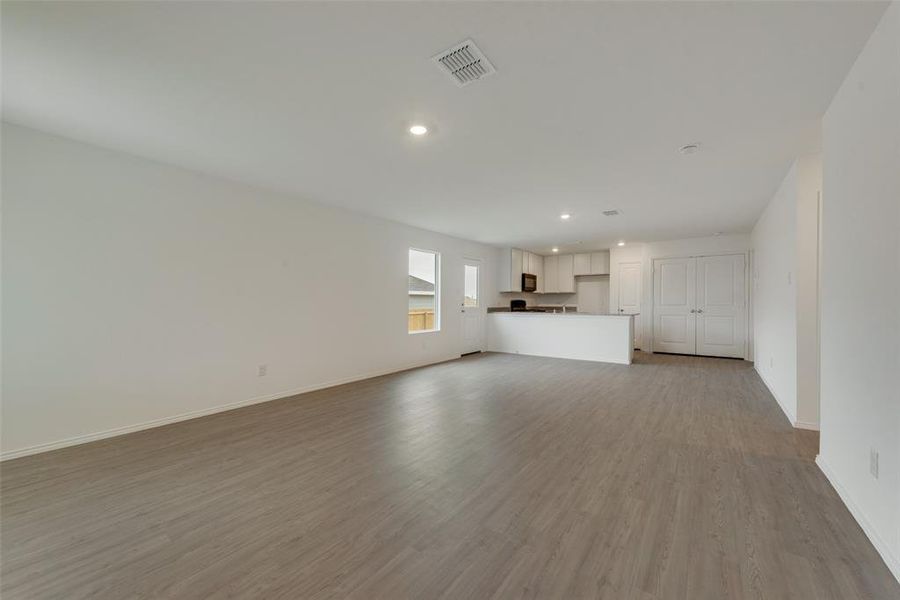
<point>784,408</point>
<point>892,562</point>
<point>194,414</point>
<point>810,425</point>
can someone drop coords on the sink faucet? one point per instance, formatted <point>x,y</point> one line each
<point>564,309</point>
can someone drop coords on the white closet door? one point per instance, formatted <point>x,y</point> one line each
<point>629,299</point>
<point>674,295</point>
<point>721,308</point>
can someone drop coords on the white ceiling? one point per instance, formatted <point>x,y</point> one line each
<point>586,111</point>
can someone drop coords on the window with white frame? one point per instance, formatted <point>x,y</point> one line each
<point>424,290</point>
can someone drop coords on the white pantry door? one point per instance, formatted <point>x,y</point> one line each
<point>629,299</point>
<point>472,308</point>
<point>674,296</point>
<point>721,306</point>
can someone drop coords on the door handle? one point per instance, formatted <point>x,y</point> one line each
<point>699,310</point>
<point>693,311</point>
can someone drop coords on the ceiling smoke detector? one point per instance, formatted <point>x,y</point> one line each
<point>464,63</point>
<point>610,213</point>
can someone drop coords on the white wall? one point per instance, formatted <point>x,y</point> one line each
<point>592,293</point>
<point>135,292</point>
<point>785,292</point>
<point>860,299</point>
<point>647,252</point>
<point>809,188</point>
<point>775,295</point>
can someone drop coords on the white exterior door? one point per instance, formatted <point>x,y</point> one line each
<point>472,308</point>
<point>629,300</point>
<point>674,301</point>
<point>699,305</point>
<point>721,306</point>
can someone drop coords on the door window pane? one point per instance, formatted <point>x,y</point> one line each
<point>470,297</point>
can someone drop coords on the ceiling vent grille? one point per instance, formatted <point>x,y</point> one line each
<point>464,63</point>
<point>610,213</point>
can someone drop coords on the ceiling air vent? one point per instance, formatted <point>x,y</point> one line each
<point>610,213</point>
<point>465,63</point>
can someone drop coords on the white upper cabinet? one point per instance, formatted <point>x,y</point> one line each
<point>530,263</point>
<point>594,263</point>
<point>559,274</point>
<point>566,274</point>
<point>599,263</point>
<point>511,270</point>
<point>551,268</point>
<point>583,264</point>
<point>538,271</point>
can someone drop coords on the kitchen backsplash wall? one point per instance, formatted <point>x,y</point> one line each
<point>592,295</point>
<point>535,299</point>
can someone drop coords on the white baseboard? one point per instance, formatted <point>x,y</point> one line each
<point>810,425</point>
<point>784,408</point>
<point>892,562</point>
<point>100,435</point>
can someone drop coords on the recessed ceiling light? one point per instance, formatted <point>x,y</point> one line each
<point>621,243</point>
<point>691,148</point>
<point>556,249</point>
<point>418,130</point>
<point>565,216</point>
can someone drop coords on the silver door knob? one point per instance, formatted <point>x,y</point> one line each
<point>700,310</point>
<point>693,311</point>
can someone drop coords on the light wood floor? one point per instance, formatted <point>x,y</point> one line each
<point>494,476</point>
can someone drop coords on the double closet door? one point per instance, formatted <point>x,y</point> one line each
<point>699,305</point>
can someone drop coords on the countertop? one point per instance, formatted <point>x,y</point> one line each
<point>558,313</point>
<point>535,308</point>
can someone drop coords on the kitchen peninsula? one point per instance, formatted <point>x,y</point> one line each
<point>579,336</point>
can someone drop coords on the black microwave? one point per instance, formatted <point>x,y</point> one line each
<point>529,282</point>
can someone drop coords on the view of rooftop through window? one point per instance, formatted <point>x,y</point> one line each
<point>423,298</point>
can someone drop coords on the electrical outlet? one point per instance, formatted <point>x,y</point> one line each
<point>873,463</point>
<point>261,370</point>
